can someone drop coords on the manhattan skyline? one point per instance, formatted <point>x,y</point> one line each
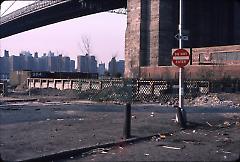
<point>106,32</point>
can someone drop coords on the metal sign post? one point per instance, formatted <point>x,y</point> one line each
<point>181,70</point>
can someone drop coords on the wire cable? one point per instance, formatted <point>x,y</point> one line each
<point>8,8</point>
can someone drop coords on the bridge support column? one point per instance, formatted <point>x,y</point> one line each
<point>150,34</point>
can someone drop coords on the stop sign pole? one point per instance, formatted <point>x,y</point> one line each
<point>181,70</point>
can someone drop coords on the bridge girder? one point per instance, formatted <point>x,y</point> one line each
<point>60,12</point>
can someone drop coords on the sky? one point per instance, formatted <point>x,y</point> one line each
<point>106,32</point>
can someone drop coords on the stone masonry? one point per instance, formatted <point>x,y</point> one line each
<point>152,25</point>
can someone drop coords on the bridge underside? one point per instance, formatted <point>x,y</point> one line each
<point>57,13</point>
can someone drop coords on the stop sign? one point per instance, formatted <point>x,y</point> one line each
<point>180,57</point>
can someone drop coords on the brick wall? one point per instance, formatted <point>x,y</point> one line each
<point>195,72</point>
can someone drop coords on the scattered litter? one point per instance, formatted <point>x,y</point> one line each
<point>104,152</point>
<point>226,152</point>
<point>60,119</point>
<point>121,147</point>
<point>226,123</point>
<point>133,116</point>
<point>194,131</point>
<point>170,147</point>
<point>152,114</point>
<point>162,136</point>
<point>237,123</point>
<point>225,157</point>
<point>71,157</point>
<point>80,119</point>
<point>185,132</point>
<point>47,119</point>
<point>209,124</point>
<point>146,154</point>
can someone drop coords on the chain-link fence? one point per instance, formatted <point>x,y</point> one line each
<point>128,90</point>
<point>132,90</point>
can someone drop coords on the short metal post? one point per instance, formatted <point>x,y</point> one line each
<point>127,122</point>
<point>5,90</point>
<point>181,117</point>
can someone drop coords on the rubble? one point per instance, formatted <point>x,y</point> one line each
<point>213,100</point>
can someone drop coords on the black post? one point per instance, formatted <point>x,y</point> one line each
<point>127,124</point>
<point>5,90</point>
<point>181,118</point>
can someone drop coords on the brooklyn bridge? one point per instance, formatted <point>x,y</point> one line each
<point>151,25</point>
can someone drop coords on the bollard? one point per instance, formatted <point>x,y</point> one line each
<point>1,160</point>
<point>181,114</point>
<point>127,122</point>
<point>5,90</point>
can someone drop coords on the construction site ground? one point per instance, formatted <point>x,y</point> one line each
<point>33,128</point>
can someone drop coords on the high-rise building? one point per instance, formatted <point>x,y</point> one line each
<point>101,69</point>
<point>6,53</point>
<point>120,67</point>
<point>66,67</point>
<point>72,65</point>
<point>86,64</point>
<point>116,68</point>
<point>112,67</point>
<point>26,61</point>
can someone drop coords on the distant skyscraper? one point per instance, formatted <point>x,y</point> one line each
<point>120,67</point>
<point>6,53</point>
<point>112,67</point>
<point>116,67</point>
<point>72,65</point>
<point>66,64</point>
<point>35,55</point>
<point>86,64</point>
<point>101,69</point>
<point>26,61</point>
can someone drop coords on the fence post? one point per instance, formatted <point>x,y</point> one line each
<point>127,122</point>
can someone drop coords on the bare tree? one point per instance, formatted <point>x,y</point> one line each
<point>85,45</point>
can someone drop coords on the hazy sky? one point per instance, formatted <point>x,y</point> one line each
<point>106,32</point>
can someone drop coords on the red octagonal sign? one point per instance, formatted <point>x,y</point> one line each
<point>180,57</point>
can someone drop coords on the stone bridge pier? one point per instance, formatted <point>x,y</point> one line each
<point>152,25</point>
<point>145,44</point>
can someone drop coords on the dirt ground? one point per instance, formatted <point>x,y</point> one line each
<point>33,131</point>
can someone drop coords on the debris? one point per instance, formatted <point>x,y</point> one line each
<point>71,157</point>
<point>209,124</point>
<point>226,123</point>
<point>162,136</point>
<point>226,152</point>
<point>152,114</point>
<point>133,116</point>
<point>37,109</point>
<point>194,131</point>
<point>237,123</point>
<point>80,119</point>
<point>170,147</point>
<point>185,132</point>
<point>155,138</point>
<point>60,119</point>
<point>146,154</point>
<point>104,152</point>
<point>47,119</point>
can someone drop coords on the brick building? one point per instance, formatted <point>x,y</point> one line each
<point>152,25</point>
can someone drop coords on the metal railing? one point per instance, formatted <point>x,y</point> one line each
<point>39,5</point>
<point>36,6</point>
